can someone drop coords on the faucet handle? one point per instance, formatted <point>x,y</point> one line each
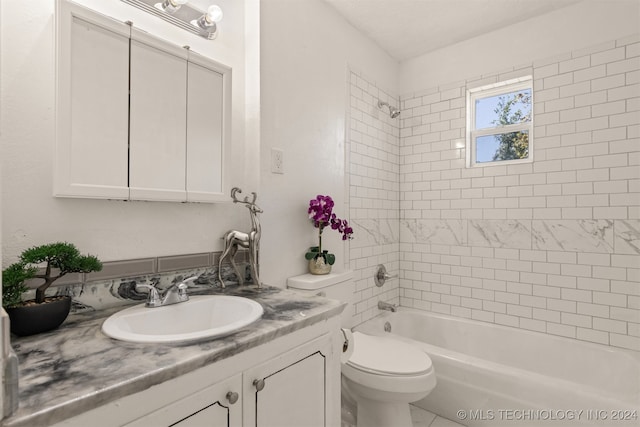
<point>153,300</point>
<point>183,286</point>
<point>186,282</point>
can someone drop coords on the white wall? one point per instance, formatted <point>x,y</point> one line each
<point>112,230</point>
<point>574,27</point>
<point>306,51</point>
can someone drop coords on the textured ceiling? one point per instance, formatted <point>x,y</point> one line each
<point>408,28</point>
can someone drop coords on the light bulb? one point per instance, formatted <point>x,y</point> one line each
<point>214,13</point>
<point>208,21</point>
<point>171,6</point>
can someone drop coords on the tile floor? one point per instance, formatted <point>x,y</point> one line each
<point>419,418</point>
<point>422,418</point>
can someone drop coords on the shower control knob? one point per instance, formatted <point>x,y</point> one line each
<point>232,397</point>
<point>382,276</point>
<point>259,384</point>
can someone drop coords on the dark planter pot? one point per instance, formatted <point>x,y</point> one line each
<point>37,318</point>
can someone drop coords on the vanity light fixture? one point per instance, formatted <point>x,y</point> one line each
<point>183,15</point>
<point>208,21</point>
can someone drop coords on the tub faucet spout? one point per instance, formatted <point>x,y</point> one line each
<point>386,306</point>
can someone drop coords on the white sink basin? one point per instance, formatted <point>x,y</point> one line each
<point>199,318</point>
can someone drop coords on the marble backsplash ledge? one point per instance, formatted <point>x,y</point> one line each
<point>116,284</point>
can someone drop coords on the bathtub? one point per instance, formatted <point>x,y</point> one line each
<point>490,374</point>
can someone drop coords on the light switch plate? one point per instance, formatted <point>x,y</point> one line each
<point>277,161</point>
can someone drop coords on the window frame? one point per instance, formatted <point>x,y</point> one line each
<point>491,90</point>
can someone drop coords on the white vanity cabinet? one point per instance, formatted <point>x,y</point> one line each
<point>293,380</point>
<point>138,118</point>
<point>215,406</point>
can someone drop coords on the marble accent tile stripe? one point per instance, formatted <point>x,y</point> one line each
<point>512,234</point>
<point>627,236</point>
<point>181,262</point>
<point>434,231</point>
<point>573,235</point>
<point>127,268</point>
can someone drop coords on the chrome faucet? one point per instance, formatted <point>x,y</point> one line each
<point>386,306</point>
<point>172,295</point>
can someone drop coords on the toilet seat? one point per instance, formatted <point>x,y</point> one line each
<point>389,365</point>
<point>386,356</point>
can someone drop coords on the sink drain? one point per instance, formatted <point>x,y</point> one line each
<point>387,327</point>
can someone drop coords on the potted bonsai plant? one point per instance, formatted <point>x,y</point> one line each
<point>42,313</point>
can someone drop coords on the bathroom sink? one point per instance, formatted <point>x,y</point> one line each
<point>202,317</point>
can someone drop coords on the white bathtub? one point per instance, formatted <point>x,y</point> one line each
<point>490,374</point>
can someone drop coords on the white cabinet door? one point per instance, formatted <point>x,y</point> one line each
<point>92,105</point>
<point>210,407</point>
<point>289,390</point>
<point>207,129</point>
<point>157,167</point>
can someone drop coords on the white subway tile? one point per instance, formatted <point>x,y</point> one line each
<point>630,64</point>
<point>575,89</point>
<point>625,314</point>
<point>624,341</point>
<point>590,73</point>
<point>607,56</point>
<point>578,295</point>
<point>610,82</point>
<point>624,92</point>
<point>592,124</point>
<point>561,330</point>
<point>611,299</point>
<point>592,336</point>
<point>610,213</point>
<point>546,315</point>
<point>576,320</point>
<point>533,325</point>
<point>562,305</point>
<point>609,108</point>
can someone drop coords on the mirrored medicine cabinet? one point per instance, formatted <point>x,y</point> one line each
<point>137,117</point>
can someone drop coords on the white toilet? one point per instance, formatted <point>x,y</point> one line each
<point>383,375</point>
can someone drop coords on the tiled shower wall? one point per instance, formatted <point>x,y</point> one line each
<point>373,171</point>
<point>550,246</point>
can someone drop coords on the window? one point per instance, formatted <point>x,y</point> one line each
<point>500,123</point>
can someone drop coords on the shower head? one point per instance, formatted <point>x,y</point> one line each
<point>393,111</point>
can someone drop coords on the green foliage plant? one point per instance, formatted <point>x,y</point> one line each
<point>61,258</point>
<point>13,278</point>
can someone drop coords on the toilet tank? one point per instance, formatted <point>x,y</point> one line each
<point>338,286</point>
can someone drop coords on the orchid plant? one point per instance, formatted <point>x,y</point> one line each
<point>321,214</point>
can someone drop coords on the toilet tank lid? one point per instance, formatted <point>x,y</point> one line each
<point>316,281</point>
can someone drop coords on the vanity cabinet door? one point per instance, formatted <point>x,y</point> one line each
<point>92,105</point>
<point>289,390</point>
<point>210,407</point>
<point>157,167</point>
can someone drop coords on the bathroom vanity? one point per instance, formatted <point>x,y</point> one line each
<point>282,370</point>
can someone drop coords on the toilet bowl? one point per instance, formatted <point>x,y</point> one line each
<point>383,375</point>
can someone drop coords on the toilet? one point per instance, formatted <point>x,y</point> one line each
<point>384,374</point>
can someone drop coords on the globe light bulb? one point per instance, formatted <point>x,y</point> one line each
<point>171,6</point>
<point>214,13</point>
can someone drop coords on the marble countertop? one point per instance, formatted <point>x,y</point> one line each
<point>76,367</point>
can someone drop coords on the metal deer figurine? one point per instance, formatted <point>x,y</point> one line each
<point>237,239</point>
